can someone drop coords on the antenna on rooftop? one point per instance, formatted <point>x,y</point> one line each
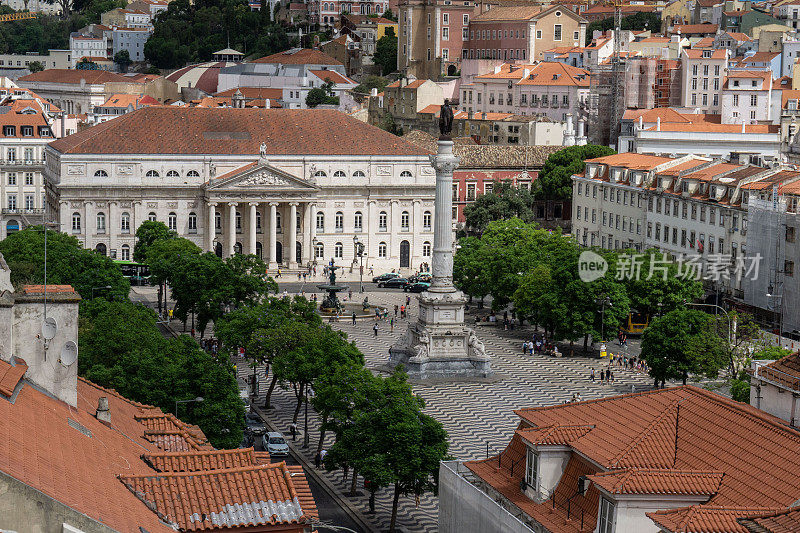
<point>49,328</point>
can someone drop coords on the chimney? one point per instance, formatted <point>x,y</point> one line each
<point>641,121</point>
<point>267,105</point>
<point>743,126</point>
<point>373,92</point>
<point>497,69</point>
<point>103,414</point>
<point>525,73</point>
<point>658,123</point>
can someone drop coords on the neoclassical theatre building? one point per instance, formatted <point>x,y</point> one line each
<point>291,186</point>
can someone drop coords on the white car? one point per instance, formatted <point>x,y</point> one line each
<point>275,444</point>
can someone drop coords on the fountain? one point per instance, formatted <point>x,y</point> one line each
<point>331,303</point>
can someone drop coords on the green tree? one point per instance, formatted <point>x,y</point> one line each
<point>386,52</point>
<point>740,385</point>
<point>123,60</point>
<point>653,282</point>
<point>505,201</point>
<point>683,342</point>
<point>322,95</point>
<point>68,263</point>
<point>469,268</point>
<point>371,82</point>
<point>35,66</point>
<point>636,21</point>
<point>149,232</point>
<point>555,178</point>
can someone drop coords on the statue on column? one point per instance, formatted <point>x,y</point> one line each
<point>446,119</point>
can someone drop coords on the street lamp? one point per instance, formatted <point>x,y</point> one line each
<point>359,247</point>
<point>198,399</point>
<point>603,302</point>
<point>314,251</point>
<point>104,287</point>
<point>305,429</point>
<point>727,316</point>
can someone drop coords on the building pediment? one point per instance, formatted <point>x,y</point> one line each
<point>260,177</point>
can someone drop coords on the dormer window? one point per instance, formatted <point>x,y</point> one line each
<point>605,521</point>
<point>735,83</point>
<point>9,131</point>
<point>745,196</point>
<point>27,131</point>
<point>532,469</point>
<point>44,131</point>
<point>706,53</point>
<point>685,186</point>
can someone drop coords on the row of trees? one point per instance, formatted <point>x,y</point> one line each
<point>119,342</point>
<point>380,430</point>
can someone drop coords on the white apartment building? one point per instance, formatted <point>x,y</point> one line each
<point>74,91</point>
<point>704,71</point>
<point>81,46</point>
<point>747,98</point>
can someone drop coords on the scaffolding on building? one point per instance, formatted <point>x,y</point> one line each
<point>607,91</point>
<point>766,241</point>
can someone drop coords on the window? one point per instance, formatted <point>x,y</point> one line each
<point>557,32</point>
<point>338,250</point>
<point>788,268</point>
<point>319,251</point>
<point>470,191</point>
<point>358,221</point>
<point>173,174</point>
<point>172,221</point>
<point>126,253</point>
<point>192,174</point>
<point>320,174</point>
<point>405,174</point>
<point>466,20</point>
<point>605,521</point>
<point>753,99</point>
<point>320,221</point>
<point>575,35</point>
<point>29,178</point>
<point>789,233</point>
<point>445,18</point>
<point>125,223</point>
<point>339,174</point>
<point>101,174</point>
<point>382,250</point>
<point>278,226</point>
<point>445,33</point>
<point>382,221</point>
<point>359,174</point>
<point>426,220</point>
<point>76,222</point>
<point>152,174</point>
<point>151,216</point>
<point>101,222</point>
<point>426,249</point>
<point>405,219</point>
<point>538,34</point>
<point>29,201</point>
<point>192,222</point>
<point>532,469</point>
<point>12,178</point>
<point>338,221</point>
<point>735,99</point>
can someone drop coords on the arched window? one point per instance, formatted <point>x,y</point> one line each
<point>405,219</point>
<point>359,174</point>
<point>101,222</point>
<point>339,221</point>
<point>339,174</point>
<point>76,222</point>
<point>258,222</point>
<point>426,220</point>
<point>382,249</point>
<point>151,216</point>
<point>126,252</point>
<point>218,221</point>
<point>125,223</point>
<point>173,174</point>
<point>426,249</point>
<point>100,174</point>
<point>152,174</point>
<point>338,250</point>
<point>324,20</point>
<point>382,221</point>
<point>319,250</point>
<point>358,221</point>
<point>172,221</point>
<point>192,174</point>
<point>101,249</point>
<point>320,221</point>
<point>278,222</point>
<point>405,174</point>
<point>192,222</point>
<point>320,174</point>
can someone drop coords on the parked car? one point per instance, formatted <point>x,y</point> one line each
<point>420,277</point>
<point>254,428</point>
<point>420,286</point>
<point>394,283</point>
<point>385,277</point>
<point>275,444</point>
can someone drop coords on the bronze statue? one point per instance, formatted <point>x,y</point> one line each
<point>446,119</point>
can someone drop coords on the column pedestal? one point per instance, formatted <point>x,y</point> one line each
<point>440,345</point>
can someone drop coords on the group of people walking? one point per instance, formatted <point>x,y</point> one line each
<point>540,344</point>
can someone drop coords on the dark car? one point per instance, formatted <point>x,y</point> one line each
<point>423,277</point>
<point>254,428</point>
<point>394,283</point>
<point>420,286</point>
<point>385,277</point>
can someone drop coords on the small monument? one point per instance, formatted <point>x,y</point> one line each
<point>331,302</point>
<point>440,345</point>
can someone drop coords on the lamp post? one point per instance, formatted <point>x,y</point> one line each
<point>104,287</point>
<point>727,316</point>
<point>359,248</point>
<point>198,399</point>
<point>305,429</point>
<point>603,302</point>
<point>314,251</point>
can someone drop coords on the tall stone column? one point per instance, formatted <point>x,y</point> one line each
<point>211,228</point>
<point>440,345</point>
<point>307,222</point>
<point>292,235</point>
<point>251,233</point>
<point>273,235</point>
<point>230,243</point>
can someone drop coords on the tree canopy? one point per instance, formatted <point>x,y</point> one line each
<point>505,201</point>
<point>68,263</point>
<point>322,95</point>
<point>555,179</point>
<point>636,21</point>
<point>385,55</point>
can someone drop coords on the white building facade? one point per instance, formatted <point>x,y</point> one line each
<point>293,187</point>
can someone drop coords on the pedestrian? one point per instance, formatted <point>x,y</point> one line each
<point>354,318</point>
<point>602,377</point>
<point>591,376</point>
<point>408,300</point>
<point>402,311</point>
<point>525,348</point>
<point>299,276</point>
<point>375,328</point>
<point>610,376</point>
<point>396,308</point>
<point>293,430</point>
<point>279,272</point>
<point>322,455</point>
<point>391,323</point>
<point>317,459</point>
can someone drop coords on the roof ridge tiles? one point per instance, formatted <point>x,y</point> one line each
<point>646,432</point>
<point>223,472</point>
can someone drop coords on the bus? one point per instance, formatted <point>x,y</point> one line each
<point>635,323</point>
<point>136,273</point>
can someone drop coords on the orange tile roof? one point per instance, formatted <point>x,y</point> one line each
<point>666,114</point>
<point>704,519</point>
<point>686,165</point>
<point>784,371</point>
<point>234,497</point>
<point>411,85</point>
<point>334,76</point>
<point>10,374</point>
<point>781,522</point>
<point>302,56</point>
<point>553,435</point>
<point>631,160</point>
<point>201,460</point>
<point>696,53</point>
<point>741,37</point>
<point>254,92</point>
<point>51,289</point>
<point>658,481</point>
<point>124,100</point>
<point>508,13</point>
<point>690,29</point>
<point>55,75</point>
<point>710,172</point>
<point>705,42</point>
<point>712,127</point>
<point>556,73</point>
<point>235,131</point>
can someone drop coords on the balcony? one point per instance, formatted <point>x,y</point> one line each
<point>21,162</point>
<point>21,211</point>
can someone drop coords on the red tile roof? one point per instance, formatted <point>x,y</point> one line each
<point>55,75</point>
<point>553,435</point>
<point>691,29</point>
<point>171,130</point>
<point>631,160</point>
<point>10,374</point>
<point>302,56</point>
<point>786,370</point>
<point>411,85</point>
<point>201,460</point>
<point>51,289</point>
<point>704,519</point>
<point>782,522</point>
<point>658,481</point>
<point>333,76</point>
<point>508,13</point>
